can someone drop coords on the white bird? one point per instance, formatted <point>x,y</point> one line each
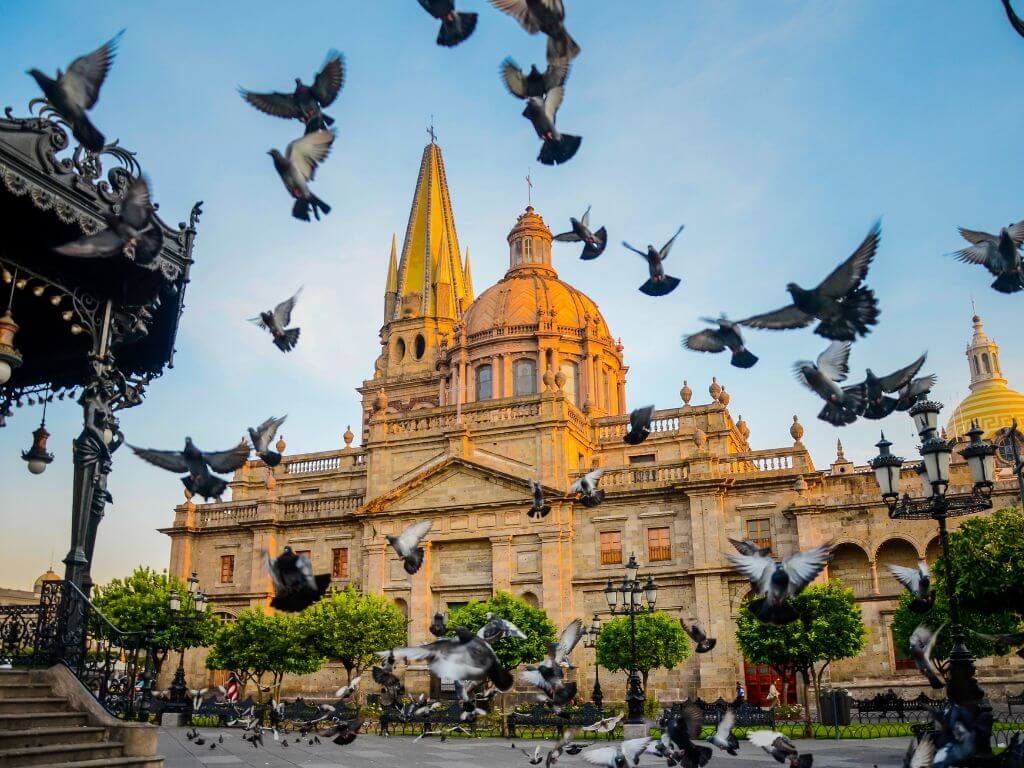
<point>591,495</point>
<point>622,755</point>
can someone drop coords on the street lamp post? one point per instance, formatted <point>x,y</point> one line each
<point>179,698</point>
<point>590,641</point>
<point>936,452</point>
<point>1018,463</point>
<point>631,595</point>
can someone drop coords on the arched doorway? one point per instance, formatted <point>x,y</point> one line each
<point>894,552</point>
<point>850,565</point>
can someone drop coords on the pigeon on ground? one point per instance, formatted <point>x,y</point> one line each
<point>920,752</point>
<point>348,691</point>
<point>345,731</point>
<point>586,486</point>
<point>455,26</point>
<point>558,147</point>
<point>680,730</point>
<point>199,480</point>
<point>918,583</point>
<point>776,582</point>
<point>726,336</point>
<point>276,321</point>
<point>917,389</point>
<point>297,166</point>
<point>534,758</point>
<point>133,232</point>
<point>1015,21</point>
<point>191,734</point>
<point>496,628</point>
<point>73,93</point>
<point>843,307</point>
<point>999,254</point>
<point>748,547</point>
<point>723,737</point>
<point>702,643</point>
<point>639,425</point>
<point>547,16</point>
<point>780,748</point>
<point>842,404</point>
<point>622,755</point>
<point>922,643</point>
<point>295,586</point>
<point>439,624</point>
<point>658,284</point>
<point>407,545</point>
<point>263,434</point>
<point>872,390</point>
<point>605,725</point>
<point>574,747</point>
<point>594,243</point>
<point>463,657</point>
<point>538,509</point>
<point>306,102</point>
<point>199,742</point>
<point>536,83</point>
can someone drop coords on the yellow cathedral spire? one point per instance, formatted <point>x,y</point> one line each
<point>391,291</point>
<point>468,275</point>
<point>430,249</point>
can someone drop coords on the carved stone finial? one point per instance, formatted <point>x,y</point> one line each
<point>686,393</point>
<point>281,444</point>
<point>587,406</point>
<point>190,506</point>
<point>188,495</point>
<point>800,485</point>
<point>723,397</point>
<point>744,430</point>
<point>380,402</point>
<point>348,437</point>
<point>560,379</point>
<point>548,378</point>
<point>796,430</point>
<point>840,456</point>
<point>715,389</point>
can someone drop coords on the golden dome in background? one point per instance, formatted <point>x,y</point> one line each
<point>37,586</point>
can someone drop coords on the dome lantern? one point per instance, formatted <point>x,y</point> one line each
<point>529,244</point>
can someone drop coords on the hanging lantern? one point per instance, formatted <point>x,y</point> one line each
<point>38,290</point>
<point>37,456</point>
<point>10,357</point>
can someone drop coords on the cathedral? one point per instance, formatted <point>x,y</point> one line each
<point>474,395</point>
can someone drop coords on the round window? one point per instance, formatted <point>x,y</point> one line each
<point>421,346</point>
<point>399,350</point>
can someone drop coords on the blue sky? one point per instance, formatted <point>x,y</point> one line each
<point>776,130</point>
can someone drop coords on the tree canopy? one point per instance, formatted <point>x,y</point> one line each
<point>350,626</point>
<point>540,631</point>
<point>259,644</point>
<point>661,643</point>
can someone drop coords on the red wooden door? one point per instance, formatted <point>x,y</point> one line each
<point>759,679</point>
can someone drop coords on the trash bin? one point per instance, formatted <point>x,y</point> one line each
<point>834,707</point>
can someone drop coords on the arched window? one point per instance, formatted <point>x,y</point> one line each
<point>484,383</point>
<point>985,362</point>
<point>974,360</point>
<point>517,251</point>
<point>530,599</point>
<point>403,608</point>
<point>527,250</point>
<point>571,371</point>
<point>421,346</point>
<point>525,377</point>
<point>399,350</point>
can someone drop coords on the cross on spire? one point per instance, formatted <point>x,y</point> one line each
<point>529,189</point>
<point>431,132</point>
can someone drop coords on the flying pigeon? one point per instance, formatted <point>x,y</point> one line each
<point>658,284</point>
<point>777,582</point>
<point>917,389</point>
<point>780,748</point>
<point>407,545</point>
<point>439,624</point>
<point>305,103</point>
<point>594,243</point>
<point>539,509</point>
<point>463,657</point>
<point>535,758</point>
<point>920,752</point>
<point>622,755</point>
<point>536,83</point>
<point>548,678</point>
<point>76,91</point>
<point>199,480</point>
<point>723,737</point>
<point>872,390</point>
<point>470,704</point>
<point>605,725</point>
<point>999,254</point>
<point>541,112</point>
<point>133,232</point>
<point>567,641</point>
<point>547,16</point>
<point>679,731</point>
<point>497,628</point>
<point>639,425</point>
<point>1015,21</point>
<point>348,691</point>
<point>384,675</point>
<point>345,731</point>
<point>298,165</point>
<point>263,434</point>
<point>748,547</point>
<point>276,322</point>
<point>575,747</point>
<point>843,307</point>
<point>591,495</point>
<point>726,336</point>
<point>455,26</point>
<point>842,405</point>
<point>702,642</point>
<point>922,643</point>
<point>918,583</point>
<point>295,586</point>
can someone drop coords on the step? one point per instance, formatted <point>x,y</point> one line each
<point>22,690</point>
<point>32,704</point>
<point>156,761</point>
<point>23,720</point>
<point>12,738</point>
<point>15,676</point>
<point>61,754</point>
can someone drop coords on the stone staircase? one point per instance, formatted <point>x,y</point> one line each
<point>39,728</point>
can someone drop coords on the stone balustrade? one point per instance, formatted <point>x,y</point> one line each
<point>322,506</point>
<point>758,462</point>
<point>224,514</point>
<point>307,464</point>
<point>644,475</point>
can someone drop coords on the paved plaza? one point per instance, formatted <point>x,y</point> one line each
<point>403,752</point>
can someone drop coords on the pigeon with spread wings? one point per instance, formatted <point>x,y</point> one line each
<point>547,16</point>
<point>918,582</point>
<point>842,404</point>
<point>872,390</point>
<point>261,437</point>
<point>306,102</point>
<point>297,167</point>
<point>541,111</point>
<point>922,644</point>
<point>407,545</point>
<point>639,425</point>
<point>198,464</point>
<point>455,26</point>
<point>622,755</point>
<point>463,657</point>
<point>702,643</point>
<point>658,284</point>
<point>295,586</point>
<point>999,254</point>
<point>586,486</point>
<point>776,582</point>
<point>726,336</point>
<point>536,83</point>
<point>594,243</point>
<point>276,321</point>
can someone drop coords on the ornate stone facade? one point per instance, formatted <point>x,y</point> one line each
<point>471,399</point>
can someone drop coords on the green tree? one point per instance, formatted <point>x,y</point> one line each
<point>661,642</point>
<point>829,626</point>
<point>540,631</point>
<point>258,645</point>
<point>135,601</point>
<point>350,626</point>
<point>988,557</point>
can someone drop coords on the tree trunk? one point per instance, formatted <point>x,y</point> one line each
<point>808,726</point>
<point>816,677</point>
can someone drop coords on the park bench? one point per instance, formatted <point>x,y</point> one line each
<point>1014,701</point>
<point>747,714</point>
<point>543,720</point>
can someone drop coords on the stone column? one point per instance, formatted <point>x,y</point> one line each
<point>374,564</point>
<point>552,583</point>
<point>501,564</point>
<point>622,395</point>
<point>463,385</point>
<point>874,577</point>
<point>420,608</point>
<point>497,380</point>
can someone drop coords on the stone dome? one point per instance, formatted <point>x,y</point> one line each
<point>37,586</point>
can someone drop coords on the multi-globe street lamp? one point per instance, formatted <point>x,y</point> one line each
<point>179,698</point>
<point>627,600</point>
<point>590,641</point>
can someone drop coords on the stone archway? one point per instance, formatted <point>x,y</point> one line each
<point>850,565</point>
<point>894,552</point>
